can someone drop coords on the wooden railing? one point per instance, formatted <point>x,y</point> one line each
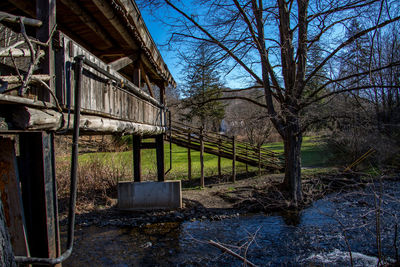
<point>224,146</point>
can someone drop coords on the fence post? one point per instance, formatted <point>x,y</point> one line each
<point>219,157</point>
<point>247,167</point>
<point>259,161</point>
<point>137,164</point>
<point>189,157</point>
<point>233,159</point>
<point>201,158</point>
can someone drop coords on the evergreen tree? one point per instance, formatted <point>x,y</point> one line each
<point>202,83</point>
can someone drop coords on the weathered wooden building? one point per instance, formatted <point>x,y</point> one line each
<point>64,62</point>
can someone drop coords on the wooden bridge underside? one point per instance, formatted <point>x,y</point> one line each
<point>122,91</point>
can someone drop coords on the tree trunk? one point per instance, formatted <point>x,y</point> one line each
<point>292,145</point>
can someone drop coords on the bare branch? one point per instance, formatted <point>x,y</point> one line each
<point>347,42</point>
<point>222,46</point>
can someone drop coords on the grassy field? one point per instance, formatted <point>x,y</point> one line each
<point>313,152</point>
<point>313,155</point>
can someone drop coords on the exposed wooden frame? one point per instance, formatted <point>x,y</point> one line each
<point>122,62</point>
<point>88,19</point>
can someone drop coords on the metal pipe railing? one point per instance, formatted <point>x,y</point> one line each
<point>74,180</point>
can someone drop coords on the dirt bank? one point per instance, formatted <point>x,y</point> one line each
<point>221,199</point>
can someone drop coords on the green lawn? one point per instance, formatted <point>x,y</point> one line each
<point>124,160</point>
<point>313,154</point>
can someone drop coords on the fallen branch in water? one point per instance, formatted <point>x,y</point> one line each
<point>215,244</point>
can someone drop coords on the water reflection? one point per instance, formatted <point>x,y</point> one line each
<point>317,235</point>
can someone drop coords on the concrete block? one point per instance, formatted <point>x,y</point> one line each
<point>149,195</point>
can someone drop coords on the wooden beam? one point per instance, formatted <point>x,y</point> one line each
<point>10,192</point>
<point>19,52</point>
<point>89,20</point>
<point>137,159</point>
<point>110,15</point>
<point>14,79</point>
<point>233,159</point>
<point>15,19</point>
<point>162,94</point>
<point>201,159</point>
<point>137,77</point>
<point>26,6</point>
<point>160,158</point>
<point>46,12</point>
<point>146,145</point>
<point>219,158</point>
<point>26,118</point>
<point>122,62</point>
<point>189,157</point>
<point>36,165</point>
<point>146,79</point>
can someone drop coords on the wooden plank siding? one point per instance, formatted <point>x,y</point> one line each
<point>99,95</point>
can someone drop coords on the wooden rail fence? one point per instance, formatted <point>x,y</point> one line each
<point>223,146</point>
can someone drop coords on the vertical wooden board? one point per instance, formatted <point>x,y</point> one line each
<point>110,98</point>
<point>91,98</point>
<point>140,111</point>
<point>128,107</point>
<point>106,100</point>
<point>121,107</point>
<point>37,176</point>
<point>11,197</point>
<point>60,73</point>
<point>137,112</point>
<point>118,103</point>
<point>124,106</point>
<point>143,118</point>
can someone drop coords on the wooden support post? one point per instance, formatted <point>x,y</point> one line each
<point>189,157</point>
<point>137,165</point>
<point>10,192</point>
<point>148,84</point>
<point>233,159</point>
<point>46,12</point>
<point>259,161</point>
<point>247,167</point>
<point>160,158</point>
<point>162,94</point>
<point>219,158</point>
<point>36,166</point>
<point>202,184</point>
<point>137,77</point>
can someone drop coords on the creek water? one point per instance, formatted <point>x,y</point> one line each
<point>322,234</point>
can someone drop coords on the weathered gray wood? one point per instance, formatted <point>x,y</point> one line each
<point>88,19</point>
<point>122,62</point>
<point>36,166</point>
<point>160,158</point>
<point>202,184</point>
<point>234,159</point>
<point>137,161</point>
<point>15,19</point>
<point>189,157</point>
<point>108,12</point>
<point>147,81</point>
<point>46,12</point>
<point>26,118</point>
<point>19,52</point>
<point>6,252</point>
<point>219,158</point>
<point>35,119</point>
<point>15,80</point>
<point>11,196</point>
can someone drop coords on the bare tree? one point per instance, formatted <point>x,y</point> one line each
<point>249,120</point>
<point>270,40</point>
